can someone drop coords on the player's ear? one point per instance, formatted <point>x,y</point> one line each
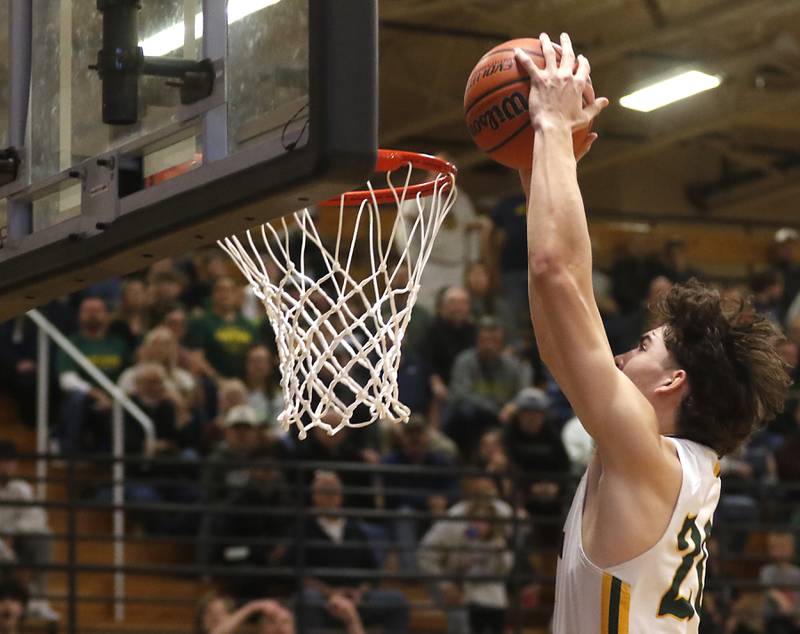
<point>673,382</point>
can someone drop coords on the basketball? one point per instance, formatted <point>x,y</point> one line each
<point>496,104</point>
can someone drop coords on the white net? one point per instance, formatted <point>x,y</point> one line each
<point>338,328</point>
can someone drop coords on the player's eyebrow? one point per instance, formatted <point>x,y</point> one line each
<point>645,338</point>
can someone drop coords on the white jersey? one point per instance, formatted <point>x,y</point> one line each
<point>657,592</point>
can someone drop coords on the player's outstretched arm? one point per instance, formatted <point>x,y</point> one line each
<point>569,330</point>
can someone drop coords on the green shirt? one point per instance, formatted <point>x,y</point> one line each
<point>111,355</point>
<point>225,343</point>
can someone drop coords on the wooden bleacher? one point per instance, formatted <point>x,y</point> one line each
<point>160,617</point>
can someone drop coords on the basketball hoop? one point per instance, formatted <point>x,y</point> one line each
<point>339,333</point>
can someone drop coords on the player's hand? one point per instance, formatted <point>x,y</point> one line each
<point>558,91</point>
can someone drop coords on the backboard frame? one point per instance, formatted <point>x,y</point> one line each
<point>114,235</point>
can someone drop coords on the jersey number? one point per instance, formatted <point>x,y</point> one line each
<point>672,603</point>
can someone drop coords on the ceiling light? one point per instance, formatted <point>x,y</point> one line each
<point>171,38</point>
<point>669,90</point>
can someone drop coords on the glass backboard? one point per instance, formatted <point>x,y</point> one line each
<point>291,119</point>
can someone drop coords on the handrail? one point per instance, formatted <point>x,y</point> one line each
<point>102,380</point>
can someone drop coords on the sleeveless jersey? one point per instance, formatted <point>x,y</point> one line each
<point>657,592</point>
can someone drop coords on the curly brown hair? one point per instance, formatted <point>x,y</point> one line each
<point>737,380</point>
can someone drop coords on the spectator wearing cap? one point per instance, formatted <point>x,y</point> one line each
<point>425,490</point>
<point>24,534</point>
<point>227,468</point>
<point>483,384</point>
<point>536,454</point>
<point>13,605</point>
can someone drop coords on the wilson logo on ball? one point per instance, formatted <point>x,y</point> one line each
<point>511,107</point>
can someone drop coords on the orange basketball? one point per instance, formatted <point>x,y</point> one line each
<point>496,104</point>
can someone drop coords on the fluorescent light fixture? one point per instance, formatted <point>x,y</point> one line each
<point>171,38</point>
<point>669,90</point>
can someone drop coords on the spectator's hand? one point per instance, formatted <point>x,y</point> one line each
<point>783,600</point>
<point>507,412</point>
<point>343,609</point>
<point>742,469</point>
<point>452,594</point>
<point>102,401</point>
<point>437,503</point>
<point>439,389</point>
<point>163,446</point>
<point>544,491</point>
<point>24,366</point>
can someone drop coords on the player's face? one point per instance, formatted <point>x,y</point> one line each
<point>649,363</point>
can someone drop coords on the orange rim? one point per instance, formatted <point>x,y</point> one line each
<point>389,161</point>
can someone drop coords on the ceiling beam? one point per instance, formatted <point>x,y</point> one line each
<point>688,27</point>
<point>778,186</point>
<point>726,112</point>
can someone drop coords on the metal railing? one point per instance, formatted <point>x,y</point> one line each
<point>121,403</point>
<point>725,574</point>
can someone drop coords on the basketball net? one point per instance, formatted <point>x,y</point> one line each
<point>338,332</point>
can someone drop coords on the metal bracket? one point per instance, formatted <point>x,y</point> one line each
<point>121,61</point>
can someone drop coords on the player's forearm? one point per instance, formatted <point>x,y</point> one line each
<point>558,235</point>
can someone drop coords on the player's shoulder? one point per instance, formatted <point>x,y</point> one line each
<point>698,461</point>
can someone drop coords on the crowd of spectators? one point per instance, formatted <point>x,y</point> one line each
<point>183,340</point>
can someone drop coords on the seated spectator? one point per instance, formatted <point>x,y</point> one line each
<point>150,481</point>
<point>537,458</point>
<point>263,383</point>
<point>85,408</point>
<point>746,474</point>
<point>781,580</point>
<point>228,393</point>
<point>273,618</point>
<point>767,287</point>
<point>483,383</point>
<point>486,302</point>
<point>13,604</point>
<point>332,543</point>
<point>24,532</point>
<point>224,474</point>
<point>161,347</point>
<point>132,318</point>
<point>474,546</point>
<point>165,291</point>
<point>450,333</point>
<point>492,458</point>
<point>19,348</point>
<point>226,470</point>
<point>413,491</point>
<point>222,334</point>
<point>320,446</point>
<point>233,530</point>
<point>414,338</point>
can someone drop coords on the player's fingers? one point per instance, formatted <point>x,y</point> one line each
<point>588,92</point>
<point>596,107</point>
<point>548,52</point>
<point>567,53</point>
<point>583,69</point>
<point>524,60</point>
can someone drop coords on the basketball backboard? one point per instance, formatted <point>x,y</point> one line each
<point>291,119</point>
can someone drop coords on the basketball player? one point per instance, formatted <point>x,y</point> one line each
<point>633,557</point>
